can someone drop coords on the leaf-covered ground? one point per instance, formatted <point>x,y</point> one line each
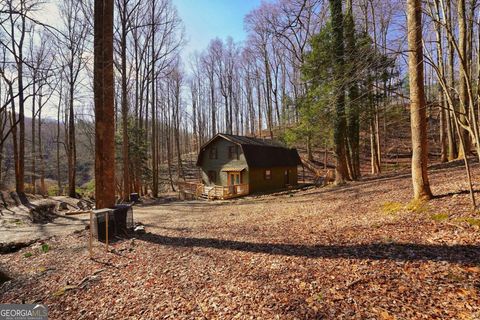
<point>362,251</point>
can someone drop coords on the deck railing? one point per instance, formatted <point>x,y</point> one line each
<point>237,189</point>
<point>214,192</point>
<point>194,188</point>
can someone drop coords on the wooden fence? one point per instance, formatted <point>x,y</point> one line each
<point>199,190</point>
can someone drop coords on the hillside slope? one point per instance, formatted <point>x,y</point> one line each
<point>362,251</point>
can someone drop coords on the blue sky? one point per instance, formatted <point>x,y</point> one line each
<point>207,19</point>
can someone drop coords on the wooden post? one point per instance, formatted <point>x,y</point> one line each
<point>106,231</point>
<point>91,235</point>
<point>325,156</point>
<point>99,213</point>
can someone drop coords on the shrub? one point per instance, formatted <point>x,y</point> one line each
<point>391,207</point>
<point>439,217</point>
<point>87,189</point>
<point>53,190</point>
<point>473,222</point>
<point>417,206</point>
<point>45,248</point>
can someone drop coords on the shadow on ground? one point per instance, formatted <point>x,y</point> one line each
<point>460,254</point>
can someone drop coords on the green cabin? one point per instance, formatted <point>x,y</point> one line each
<point>234,165</point>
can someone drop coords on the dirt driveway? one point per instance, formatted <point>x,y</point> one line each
<point>15,226</point>
<point>362,251</point>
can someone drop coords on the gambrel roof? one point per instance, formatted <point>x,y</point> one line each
<point>263,153</point>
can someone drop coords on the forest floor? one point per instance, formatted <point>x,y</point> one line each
<point>18,230</point>
<point>361,251</point>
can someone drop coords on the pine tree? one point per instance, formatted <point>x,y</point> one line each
<point>338,91</point>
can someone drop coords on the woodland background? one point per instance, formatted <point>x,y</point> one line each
<point>283,82</point>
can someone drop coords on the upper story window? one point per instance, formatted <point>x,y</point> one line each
<point>268,174</point>
<point>213,153</point>
<point>233,152</point>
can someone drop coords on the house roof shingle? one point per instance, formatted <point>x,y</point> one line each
<point>261,153</point>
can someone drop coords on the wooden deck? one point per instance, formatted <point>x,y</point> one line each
<point>199,190</point>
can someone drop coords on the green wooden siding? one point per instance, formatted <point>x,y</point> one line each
<point>258,183</point>
<point>222,162</point>
<point>255,176</point>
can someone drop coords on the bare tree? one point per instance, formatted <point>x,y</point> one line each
<point>124,13</point>
<point>41,71</point>
<point>72,52</point>
<point>15,26</point>
<point>421,185</point>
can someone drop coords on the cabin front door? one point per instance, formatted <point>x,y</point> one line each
<point>286,177</point>
<point>234,178</point>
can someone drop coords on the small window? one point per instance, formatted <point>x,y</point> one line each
<point>268,174</point>
<point>213,153</point>
<point>233,152</point>
<point>212,176</point>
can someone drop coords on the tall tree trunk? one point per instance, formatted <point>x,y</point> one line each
<point>43,189</point>
<point>442,103</point>
<point>353,116</point>
<point>251,108</point>
<point>259,101</point>
<point>125,140</point>
<point>104,94</point>
<point>72,150</point>
<point>21,117</point>
<point>17,50</point>
<point>339,93</point>
<point>227,116</point>
<point>268,90</point>
<point>374,155</point>
<point>13,125</point>
<point>421,186</point>
<point>154,110</point>
<point>463,91</point>
<point>452,145</point>
<point>375,163</point>
<point>443,127</point>
<point>59,178</point>
<point>181,173</point>
<point>375,105</point>
<point>169,146</point>
<point>212,106</point>
<point>194,120</point>
<point>33,169</point>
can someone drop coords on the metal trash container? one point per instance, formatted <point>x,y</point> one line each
<point>123,219</point>
<point>120,222</point>
<point>135,197</point>
<point>99,224</point>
